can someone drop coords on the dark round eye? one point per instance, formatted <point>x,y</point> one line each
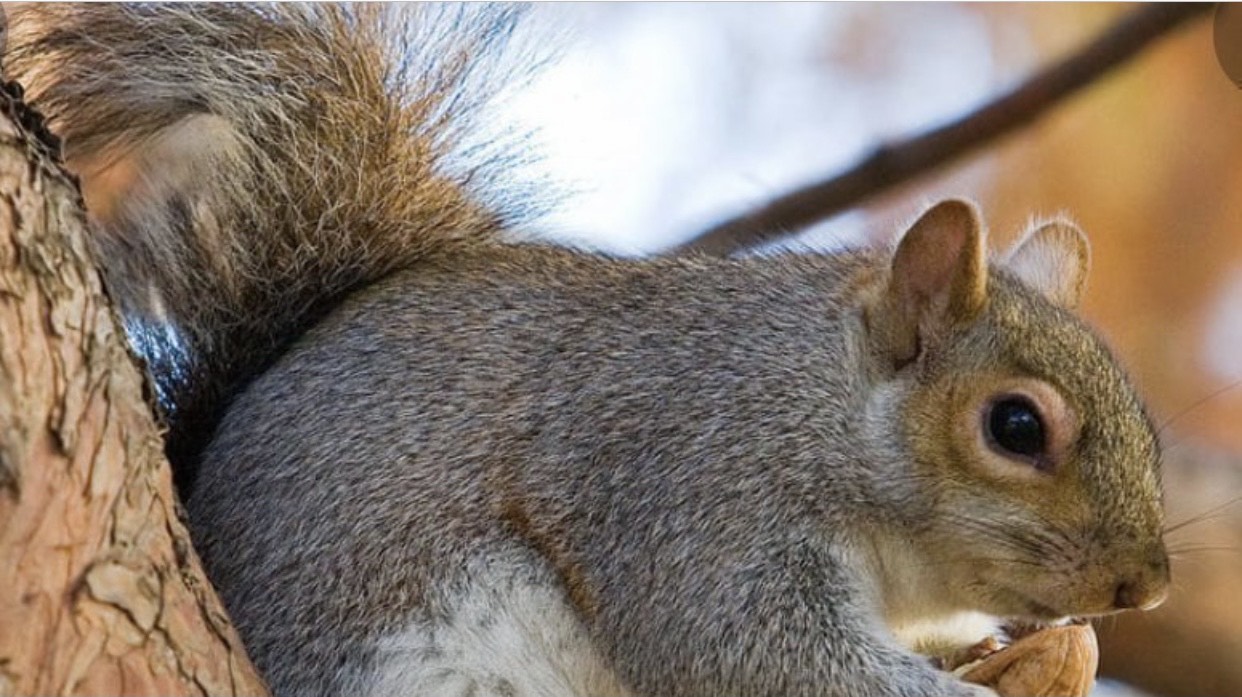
<point>1014,427</point>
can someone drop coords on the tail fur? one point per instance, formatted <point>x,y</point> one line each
<point>245,167</point>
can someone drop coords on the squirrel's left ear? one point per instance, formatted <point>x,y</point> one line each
<point>1053,259</point>
<point>937,279</point>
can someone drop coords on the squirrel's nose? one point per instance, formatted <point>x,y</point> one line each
<point>1145,589</point>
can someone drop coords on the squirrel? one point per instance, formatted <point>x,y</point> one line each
<point>431,460</point>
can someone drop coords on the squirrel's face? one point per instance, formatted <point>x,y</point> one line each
<point>1050,494</point>
<point>1039,462</point>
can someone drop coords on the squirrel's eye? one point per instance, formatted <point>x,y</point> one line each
<point>1014,427</point>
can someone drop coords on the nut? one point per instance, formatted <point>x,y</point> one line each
<point>1057,661</point>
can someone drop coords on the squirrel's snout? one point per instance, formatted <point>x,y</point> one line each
<point>1146,588</point>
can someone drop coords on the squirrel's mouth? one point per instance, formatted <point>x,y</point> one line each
<point>1028,607</point>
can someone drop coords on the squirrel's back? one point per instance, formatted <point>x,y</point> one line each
<point>246,167</point>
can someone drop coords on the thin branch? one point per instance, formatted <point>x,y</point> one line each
<point>899,162</point>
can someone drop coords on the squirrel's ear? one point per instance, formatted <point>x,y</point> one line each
<point>1052,259</point>
<point>938,278</point>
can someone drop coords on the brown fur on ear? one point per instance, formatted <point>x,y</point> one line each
<point>1053,259</point>
<point>938,278</point>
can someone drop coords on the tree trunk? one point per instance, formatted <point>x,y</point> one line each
<point>100,589</point>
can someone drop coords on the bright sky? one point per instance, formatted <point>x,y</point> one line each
<point>668,116</point>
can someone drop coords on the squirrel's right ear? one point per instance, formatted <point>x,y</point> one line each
<point>937,279</point>
<point>1053,259</point>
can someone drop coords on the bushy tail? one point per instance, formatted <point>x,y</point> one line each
<point>245,167</point>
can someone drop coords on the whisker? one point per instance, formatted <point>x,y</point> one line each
<point>1202,548</point>
<point>1050,549</point>
<point>995,560</point>
<point>1170,421</point>
<point>1194,521</point>
<point>1212,512</point>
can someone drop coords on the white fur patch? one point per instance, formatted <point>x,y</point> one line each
<point>918,617</point>
<point>505,637</point>
<point>945,634</point>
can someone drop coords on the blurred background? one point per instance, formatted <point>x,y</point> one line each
<point>666,118</point>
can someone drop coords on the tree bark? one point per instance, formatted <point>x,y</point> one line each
<point>100,589</point>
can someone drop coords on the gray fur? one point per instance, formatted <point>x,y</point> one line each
<point>682,465</point>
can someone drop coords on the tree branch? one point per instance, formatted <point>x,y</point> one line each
<point>899,162</point>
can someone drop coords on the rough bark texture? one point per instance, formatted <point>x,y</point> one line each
<point>100,590</point>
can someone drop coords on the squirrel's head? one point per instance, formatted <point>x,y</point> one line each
<point>1025,438</point>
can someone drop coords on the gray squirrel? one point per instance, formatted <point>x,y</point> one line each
<point>425,460</point>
